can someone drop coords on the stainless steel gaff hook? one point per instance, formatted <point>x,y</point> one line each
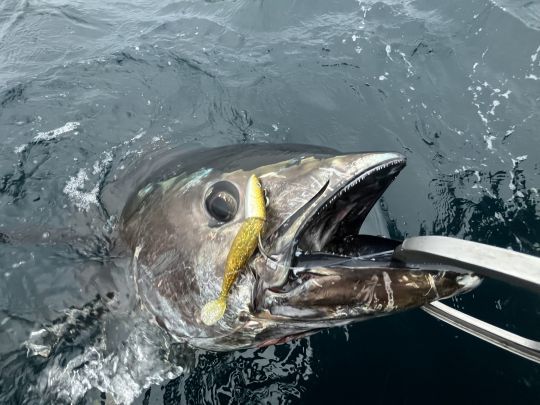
<point>492,262</point>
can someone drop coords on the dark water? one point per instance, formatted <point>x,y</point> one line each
<point>88,86</point>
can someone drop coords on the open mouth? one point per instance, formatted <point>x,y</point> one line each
<point>330,237</point>
<point>340,216</point>
<point>325,232</point>
<point>329,273</point>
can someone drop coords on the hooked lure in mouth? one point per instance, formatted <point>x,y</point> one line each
<point>242,248</point>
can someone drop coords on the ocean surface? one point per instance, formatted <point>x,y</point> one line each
<point>88,86</point>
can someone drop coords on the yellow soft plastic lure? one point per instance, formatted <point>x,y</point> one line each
<point>243,246</point>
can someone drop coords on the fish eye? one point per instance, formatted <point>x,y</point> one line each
<point>222,201</point>
<point>222,206</point>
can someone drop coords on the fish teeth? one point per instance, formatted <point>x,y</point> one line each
<point>353,183</point>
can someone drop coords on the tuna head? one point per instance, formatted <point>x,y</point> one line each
<point>312,270</point>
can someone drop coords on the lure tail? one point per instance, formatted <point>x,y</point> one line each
<point>213,311</point>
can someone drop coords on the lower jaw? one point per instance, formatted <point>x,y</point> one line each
<point>377,293</point>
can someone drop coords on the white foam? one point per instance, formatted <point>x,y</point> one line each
<point>534,56</point>
<point>136,137</point>
<point>20,148</point>
<point>50,135</point>
<point>489,141</point>
<point>515,162</point>
<point>75,186</point>
<point>494,104</point>
<point>388,50</point>
<point>55,133</point>
<point>482,117</point>
<point>74,189</point>
<point>410,71</point>
<point>100,165</point>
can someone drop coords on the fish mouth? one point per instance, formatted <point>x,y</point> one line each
<point>343,212</point>
<point>327,274</point>
<point>352,184</point>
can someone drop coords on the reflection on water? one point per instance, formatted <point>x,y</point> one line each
<point>504,213</point>
<point>276,374</point>
<point>88,87</point>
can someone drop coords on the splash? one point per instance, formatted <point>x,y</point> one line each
<point>122,354</point>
